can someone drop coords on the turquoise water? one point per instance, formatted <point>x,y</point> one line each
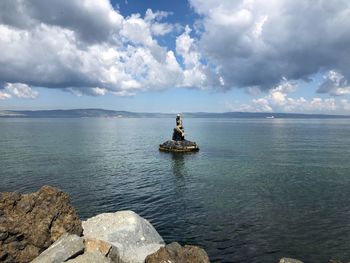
<point>259,189</point>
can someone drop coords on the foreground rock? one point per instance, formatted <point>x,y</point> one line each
<point>45,222</point>
<point>74,249</point>
<point>91,258</point>
<point>66,247</point>
<point>289,260</point>
<point>31,223</point>
<point>94,246</point>
<point>179,146</point>
<point>132,235</point>
<point>175,253</point>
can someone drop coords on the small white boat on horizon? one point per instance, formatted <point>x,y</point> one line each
<point>270,117</point>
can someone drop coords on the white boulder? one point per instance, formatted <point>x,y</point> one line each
<point>133,235</point>
<point>66,247</point>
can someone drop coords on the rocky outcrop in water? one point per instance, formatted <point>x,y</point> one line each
<point>30,223</point>
<point>179,146</point>
<point>178,142</point>
<point>175,253</point>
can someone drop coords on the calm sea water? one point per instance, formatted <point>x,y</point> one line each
<point>259,189</point>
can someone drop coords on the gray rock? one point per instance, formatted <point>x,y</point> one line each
<point>133,235</point>
<point>104,248</point>
<point>175,253</point>
<point>289,260</point>
<point>66,247</point>
<point>90,258</point>
<point>179,146</point>
<point>97,251</point>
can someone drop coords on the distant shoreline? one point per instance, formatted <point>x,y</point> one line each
<point>93,113</point>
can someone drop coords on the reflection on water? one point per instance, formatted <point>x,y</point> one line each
<point>178,164</point>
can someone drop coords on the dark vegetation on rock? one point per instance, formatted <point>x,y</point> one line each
<point>30,223</point>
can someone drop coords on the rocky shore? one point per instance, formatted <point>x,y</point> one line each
<point>31,223</point>
<point>43,227</point>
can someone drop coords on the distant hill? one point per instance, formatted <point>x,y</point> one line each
<point>79,113</point>
<point>100,113</point>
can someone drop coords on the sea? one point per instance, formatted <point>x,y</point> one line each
<point>258,189</point>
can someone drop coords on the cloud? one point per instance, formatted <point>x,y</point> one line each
<point>279,99</point>
<point>98,91</point>
<point>88,47</point>
<point>18,90</point>
<point>92,21</point>
<point>345,104</point>
<point>196,73</point>
<point>161,29</point>
<point>88,91</point>
<point>260,42</point>
<point>85,47</point>
<point>157,28</point>
<point>4,95</point>
<point>334,84</point>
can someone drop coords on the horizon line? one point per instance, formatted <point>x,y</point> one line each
<point>185,112</point>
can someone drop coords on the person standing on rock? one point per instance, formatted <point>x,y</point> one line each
<point>179,132</point>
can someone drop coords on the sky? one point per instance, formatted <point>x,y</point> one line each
<point>176,56</point>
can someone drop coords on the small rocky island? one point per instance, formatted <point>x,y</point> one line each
<point>178,142</point>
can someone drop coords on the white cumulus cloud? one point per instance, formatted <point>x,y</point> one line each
<point>279,99</point>
<point>4,95</point>
<point>196,74</point>
<point>90,48</point>
<point>18,90</point>
<point>260,42</point>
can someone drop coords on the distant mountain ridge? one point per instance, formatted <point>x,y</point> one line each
<point>101,113</point>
